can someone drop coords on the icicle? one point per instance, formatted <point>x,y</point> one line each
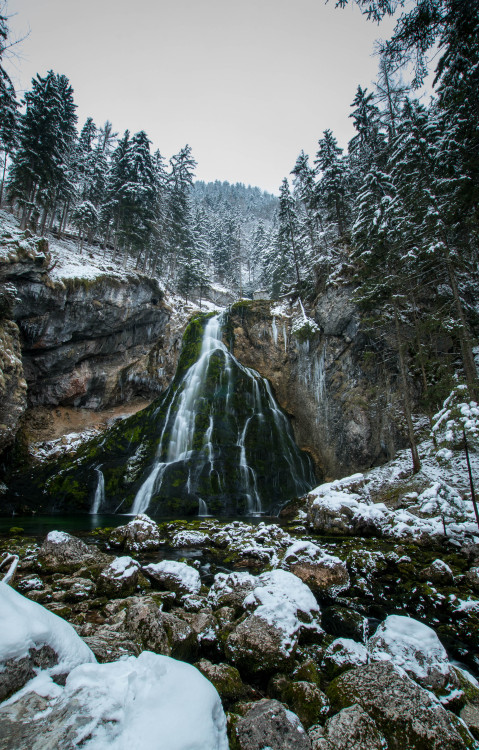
<point>275,331</point>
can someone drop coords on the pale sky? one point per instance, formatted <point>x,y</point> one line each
<point>247,83</point>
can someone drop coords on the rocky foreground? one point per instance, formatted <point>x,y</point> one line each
<point>310,642</point>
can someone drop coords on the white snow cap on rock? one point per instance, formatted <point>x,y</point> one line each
<point>187,577</point>
<point>25,624</point>
<point>281,598</point>
<point>411,645</point>
<point>121,567</point>
<point>149,702</point>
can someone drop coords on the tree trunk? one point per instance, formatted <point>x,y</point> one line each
<point>464,339</point>
<point>471,482</point>
<point>406,400</point>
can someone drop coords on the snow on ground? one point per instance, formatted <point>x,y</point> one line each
<point>24,624</point>
<point>151,701</point>
<point>420,500</point>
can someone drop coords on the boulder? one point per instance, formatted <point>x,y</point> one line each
<point>225,678</point>
<point>353,728</point>
<point>140,534</point>
<point>231,589</point>
<point>305,698</point>
<point>15,673</point>
<point>344,623</point>
<point>438,572</point>
<point>324,574</point>
<point>144,625</point>
<point>269,725</point>
<point>341,655</point>
<point>119,578</point>
<point>472,576</point>
<point>174,576</point>
<point>181,637</point>
<point>255,645</point>
<point>415,648</point>
<point>75,589</point>
<point>407,715</point>
<point>63,553</point>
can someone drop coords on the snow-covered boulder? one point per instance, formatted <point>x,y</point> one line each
<point>323,573</point>
<point>415,647</point>
<point>32,638</point>
<point>268,724</point>
<point>61,552</point>
<point>174,576</point>
<point>343,654</point>
<point>283,609</point>
<point>438,572</point>
<point>231,589</point>
<point>119,578</point>
<point>337,508</point>
<point>139,534</point>
<point>147,702</point>
<point>189,538</point>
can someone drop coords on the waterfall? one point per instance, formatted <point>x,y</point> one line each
<point>223,438</point>
<point>99,496</point>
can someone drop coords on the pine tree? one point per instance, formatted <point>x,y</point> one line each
<point>9,119</point>
<point>333,191</point>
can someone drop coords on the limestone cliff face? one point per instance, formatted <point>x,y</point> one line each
<point>90,342</point>
<point>343,406</point>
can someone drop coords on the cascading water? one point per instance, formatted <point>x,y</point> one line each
<point>224,440</point>
<point>99,496</point>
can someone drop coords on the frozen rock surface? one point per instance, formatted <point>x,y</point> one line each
<point>343,654</point>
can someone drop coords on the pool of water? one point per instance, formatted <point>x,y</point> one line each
<point>39,525</point>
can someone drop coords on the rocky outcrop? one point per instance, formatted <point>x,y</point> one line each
<point>343,405</point>
<point>269,724</point>
<point>13,387</point>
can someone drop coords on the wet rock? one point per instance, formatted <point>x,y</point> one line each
<point>63,553</point>
<point>119,578</point>
<point>269,725</point>
<point>353,728</point>
<point>15,673</point>
<point>345,623</point>
<point>415,648</point>
<point>225,678</point>
<point>174,576</point>
<point>406,714</point>
<point>323,573</point>
<point>181,637</point>
<point>256,645</point>
<point>140,534</point>
<point>341,655</point>
<point>438,572</point>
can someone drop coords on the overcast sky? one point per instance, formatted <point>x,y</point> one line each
<point>247,83</point>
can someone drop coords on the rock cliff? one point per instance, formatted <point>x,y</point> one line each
<point>344,404</point>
